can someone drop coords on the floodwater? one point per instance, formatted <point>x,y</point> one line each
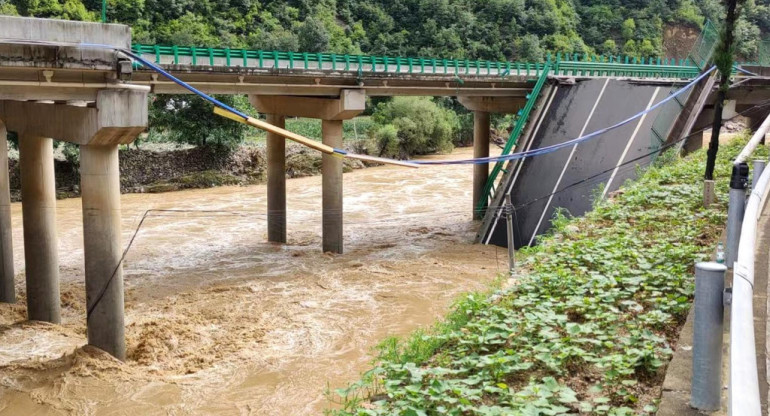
<point>221,322</point>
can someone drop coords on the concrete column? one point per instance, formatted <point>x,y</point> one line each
<point>100,189</point>
<point>331,169</point>
<point>7,290</point>
<point>38,194</point>
<point>276,182</point>
<point>480,149</point>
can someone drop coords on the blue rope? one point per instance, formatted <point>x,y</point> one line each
<point>179,82</point>
<point>485,160</point>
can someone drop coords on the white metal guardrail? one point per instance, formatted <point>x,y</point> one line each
<point>743,393</point>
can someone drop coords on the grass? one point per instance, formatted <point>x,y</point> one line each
<point>587,329</point>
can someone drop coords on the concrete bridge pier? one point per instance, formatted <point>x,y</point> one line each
<point>100,192</point>
<point>331,169</point>
<point>38,194</point>
<point>276,182</point>
<point>482,107</point>
<point>480,149</point>
<point>332,111</point>
<point>116,117</point>
<point>7,288</point>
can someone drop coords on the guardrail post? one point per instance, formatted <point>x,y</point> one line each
<point>738,183</point>
<point>707,336</point>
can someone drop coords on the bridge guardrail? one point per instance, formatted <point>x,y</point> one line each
<point>179,55</point>
<point>569,64</point>
<point>743,389</point>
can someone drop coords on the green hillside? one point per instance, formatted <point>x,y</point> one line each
<point>490,29</point>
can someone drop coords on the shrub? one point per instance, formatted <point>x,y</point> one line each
<point>407,126</point>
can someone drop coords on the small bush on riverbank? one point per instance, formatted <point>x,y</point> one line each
<point>588,327</point>
<point>408,126</point>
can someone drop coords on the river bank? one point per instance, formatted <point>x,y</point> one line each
<point>153,171</point>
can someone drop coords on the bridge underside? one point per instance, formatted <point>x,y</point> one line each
<point>571,178</point>
<point>329,83</point>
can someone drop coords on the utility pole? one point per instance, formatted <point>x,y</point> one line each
<point>104,11</point>
<point>724,61</point>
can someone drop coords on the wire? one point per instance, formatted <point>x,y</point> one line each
<point>581,139</point>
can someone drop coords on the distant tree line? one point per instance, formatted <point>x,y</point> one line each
<point>524,30</point>
<point>490,29</point>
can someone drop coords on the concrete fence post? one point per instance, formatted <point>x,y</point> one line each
<point>738,183</point>
<point>707,336</point>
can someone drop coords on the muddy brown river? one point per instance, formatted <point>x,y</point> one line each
<point>221,322</point>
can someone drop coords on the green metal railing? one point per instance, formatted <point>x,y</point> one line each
<point>652,69</point>
<point>521,122</point>
<point>177,55</point>
<point>572,64</point>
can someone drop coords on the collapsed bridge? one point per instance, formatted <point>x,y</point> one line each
<point>74,81</point>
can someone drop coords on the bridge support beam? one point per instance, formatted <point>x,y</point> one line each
<point>100,190</point>
<point>276,182</point>
<point>38,195</point>
<point>480,149</point>
<point>7,287</point>
<point>117,117</point>
<point>331,169</point>
<point>331,111</point>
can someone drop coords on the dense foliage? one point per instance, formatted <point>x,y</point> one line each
<point>408,126</point>
<point>586,328</point>
<point>494,29</point>
<point>190,121</point>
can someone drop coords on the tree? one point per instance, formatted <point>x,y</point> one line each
<point>723,57</point>
<point>313,36</point>
<point>190,120</point>
<point>630,48</point>
<point>8,9</point>
<point>647,50</point>
<point>609,47</point>
<point>628,29</point>
<point>407,126</point>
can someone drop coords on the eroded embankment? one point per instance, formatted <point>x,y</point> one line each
<point>589,325</point>
<point>219,322</point>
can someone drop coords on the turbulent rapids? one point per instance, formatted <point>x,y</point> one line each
<point>220,322</point>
